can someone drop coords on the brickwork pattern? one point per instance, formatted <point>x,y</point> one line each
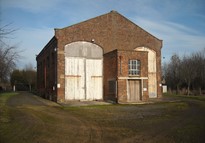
<point>110,31</point>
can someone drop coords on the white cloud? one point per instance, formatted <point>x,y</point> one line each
<point>163,19</point>
<point>177,38</point>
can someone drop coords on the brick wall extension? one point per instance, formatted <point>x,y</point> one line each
<point>123,60</point>
<point>46,71</point>
<point>116,67</point>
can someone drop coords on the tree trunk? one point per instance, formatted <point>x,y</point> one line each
<point>188,88</point>
<point>30,87</point>
<point>177,92</point>
<point>200,93</point>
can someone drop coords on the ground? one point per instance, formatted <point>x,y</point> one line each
<point>26,118</point>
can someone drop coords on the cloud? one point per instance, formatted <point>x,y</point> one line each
<point>180,24</point>
<point>177,38</point>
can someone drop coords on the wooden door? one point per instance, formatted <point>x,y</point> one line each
<point>134,94</point>
<point>83,79</point>
<point>94,81</point>
<point>74,78</point>
<point>83,71</point>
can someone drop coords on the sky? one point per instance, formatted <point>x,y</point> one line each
<point>179,23</point>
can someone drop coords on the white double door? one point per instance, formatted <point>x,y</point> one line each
<point>83,79</point>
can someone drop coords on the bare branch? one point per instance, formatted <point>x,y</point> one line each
<point>8,54</point>
<point>6,31</point>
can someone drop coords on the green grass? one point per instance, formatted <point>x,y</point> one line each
<point>181,120</point>
<point>196,97</point>
<point>4,111</point>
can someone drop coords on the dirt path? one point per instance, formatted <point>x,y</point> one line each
<point>36,120</point>
<point>26,98</point>
<point>39,120</point>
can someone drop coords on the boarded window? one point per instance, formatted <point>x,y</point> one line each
<point>134,67</point>
<point>112,86</point>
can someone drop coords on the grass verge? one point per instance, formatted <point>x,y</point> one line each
<point>196,97</point>
<point>4,111</point>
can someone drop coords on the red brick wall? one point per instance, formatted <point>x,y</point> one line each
<point>124,57</point>
<point>116,67</point>
<point>132,55</point>
<point>109,73</point>
<point>46,71</point>
<point>110,31</point>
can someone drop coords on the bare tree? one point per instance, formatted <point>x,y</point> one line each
<point>30,75</point>
<point>6,31</point>
<point>172,73</point>
<point>199,66</point>
<point>8,54</point>
<point>189,71</point>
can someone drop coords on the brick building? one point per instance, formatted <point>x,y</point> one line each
<point>104,58</point>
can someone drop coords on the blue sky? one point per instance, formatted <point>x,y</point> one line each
<point>179,23</point>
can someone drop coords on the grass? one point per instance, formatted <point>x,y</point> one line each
<point>179,121</point>
<point>4,111</point>
<point>198,97</point>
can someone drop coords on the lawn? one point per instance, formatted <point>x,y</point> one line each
<point>27,118</point>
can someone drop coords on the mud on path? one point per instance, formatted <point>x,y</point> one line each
<point>35,120</point>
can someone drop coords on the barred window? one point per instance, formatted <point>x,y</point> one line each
<point>134,67</point>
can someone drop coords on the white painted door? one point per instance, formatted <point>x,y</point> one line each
<point>83,79</point>
<point>74,78</point>
<point>94,79</point>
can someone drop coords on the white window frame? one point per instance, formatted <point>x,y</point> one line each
<point>134,67</point>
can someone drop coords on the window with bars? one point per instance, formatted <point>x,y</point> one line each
<point>134,67</point>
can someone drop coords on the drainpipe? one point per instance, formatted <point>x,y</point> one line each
<point>45,75</point>
<point>116,91</point>
<point>55,72</point>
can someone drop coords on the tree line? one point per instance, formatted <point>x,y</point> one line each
<point>185,74</point>
<point>9,55</point>
<point>24,80</point>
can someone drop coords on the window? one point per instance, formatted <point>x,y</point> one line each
<point>134,67</point>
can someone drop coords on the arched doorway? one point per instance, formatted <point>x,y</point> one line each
<point>152,71</point>
<point>83,71</point>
